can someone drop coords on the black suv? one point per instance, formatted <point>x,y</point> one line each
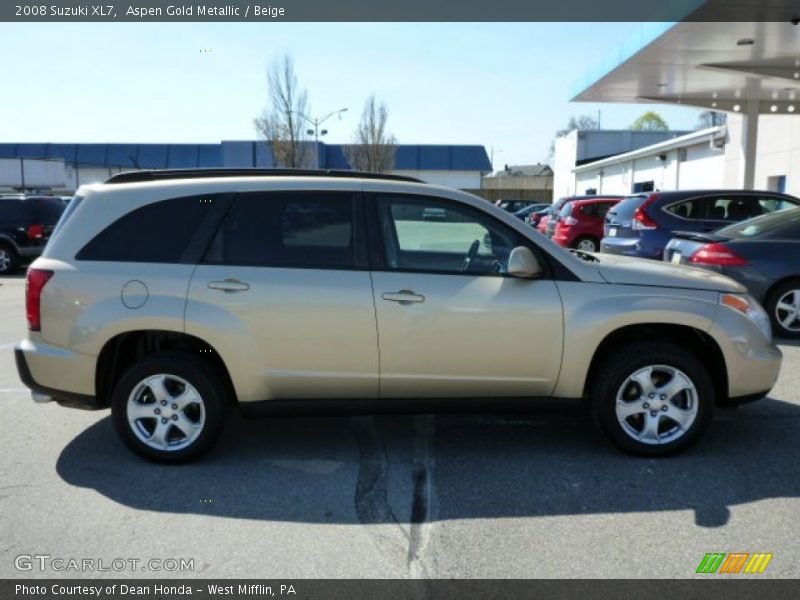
<point>25,226</point>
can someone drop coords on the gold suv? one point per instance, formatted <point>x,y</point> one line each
<point>173,296</point>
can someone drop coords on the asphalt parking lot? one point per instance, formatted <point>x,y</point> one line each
<point>539,494</point>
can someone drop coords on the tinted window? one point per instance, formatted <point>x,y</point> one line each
<point>413,242</point>
<point>157,232</point>
<point>14,211</point>
<point>47,210</point>
<point>288,229</point>
<point>695,208</point>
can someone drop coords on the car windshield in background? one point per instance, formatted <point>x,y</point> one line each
<point>772,224</point>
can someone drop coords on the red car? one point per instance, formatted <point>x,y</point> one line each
<point>580,223</point>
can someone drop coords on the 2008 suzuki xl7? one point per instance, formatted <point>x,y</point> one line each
<point>172,296</point>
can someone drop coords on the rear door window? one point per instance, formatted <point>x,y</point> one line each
<point>288,229</point>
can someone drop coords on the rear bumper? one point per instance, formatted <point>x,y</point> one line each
<point>30,251</point>
<point>36,361</point>
<point>638,246</point>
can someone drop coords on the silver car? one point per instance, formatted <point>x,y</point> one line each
<point>172,297</point>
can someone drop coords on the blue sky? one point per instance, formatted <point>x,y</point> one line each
<point>503,85</point>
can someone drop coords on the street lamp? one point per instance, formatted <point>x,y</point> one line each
<point>316,122</point>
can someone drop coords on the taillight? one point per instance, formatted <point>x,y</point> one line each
<point>35,282</point>
<point>641,220</point>
<point>36,232</point>
<point>717,254</point>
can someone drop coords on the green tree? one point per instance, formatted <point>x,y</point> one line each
<point>650,121</point>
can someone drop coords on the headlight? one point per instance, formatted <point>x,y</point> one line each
<point>748,306</point>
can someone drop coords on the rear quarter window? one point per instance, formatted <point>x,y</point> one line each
<point>155,233</point>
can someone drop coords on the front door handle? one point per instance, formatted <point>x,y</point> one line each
<point>403,297</point>
<point>229,286</point>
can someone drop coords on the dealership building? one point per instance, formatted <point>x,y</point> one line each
<point>747,69</point>
<point>62,168</point>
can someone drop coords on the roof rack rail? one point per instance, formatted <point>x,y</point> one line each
<point>161,174</point>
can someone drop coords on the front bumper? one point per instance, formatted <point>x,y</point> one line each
<point>753,362</point>
<point>65,363</point>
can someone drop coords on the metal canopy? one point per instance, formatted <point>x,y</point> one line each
<point>726,66</point>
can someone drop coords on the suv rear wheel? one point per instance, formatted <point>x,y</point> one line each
<point>9,261</point>
<point>652,398</point>
<point>167,408</point>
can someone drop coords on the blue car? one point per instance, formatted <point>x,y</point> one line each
<point>642,225</point>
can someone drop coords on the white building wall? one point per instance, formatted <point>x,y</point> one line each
<point>702,167</point>
<point>564,157</point>
<point>777,152</point>
<point>461,180</point>
<point>37,173</point>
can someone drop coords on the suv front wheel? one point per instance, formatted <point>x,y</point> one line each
<point>652,398</point>
<point>169,409</point>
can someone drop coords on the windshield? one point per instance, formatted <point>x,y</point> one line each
<point>765,225</point>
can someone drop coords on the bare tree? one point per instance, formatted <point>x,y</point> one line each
<point>281,124</point>
<point>374,148</point>
<point>580,122</point>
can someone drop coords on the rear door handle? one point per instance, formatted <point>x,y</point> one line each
<point>403,297</point>
<point>229,286</point>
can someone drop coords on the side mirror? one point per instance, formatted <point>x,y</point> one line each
<point>523,263</point>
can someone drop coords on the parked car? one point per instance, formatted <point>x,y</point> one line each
<point>549,227</point>
<point>641,225</point>
<point>762,253</point>
<point>25,226</point>
<point>580,223</point>
<point>523,213</point>
<point>513,206</point>
<point>279,285</point>
<point>534,218</point>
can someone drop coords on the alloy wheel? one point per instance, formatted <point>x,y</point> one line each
<point>787,310</point>
<point>657,404</point>
<point>166,412</point>
<point>5,260</point>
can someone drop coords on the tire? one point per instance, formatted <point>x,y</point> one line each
<point>783,303</point>
<point>586,241</point>
<point>183,406</point>
<point>9,260</point>
<point>618,388</point>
